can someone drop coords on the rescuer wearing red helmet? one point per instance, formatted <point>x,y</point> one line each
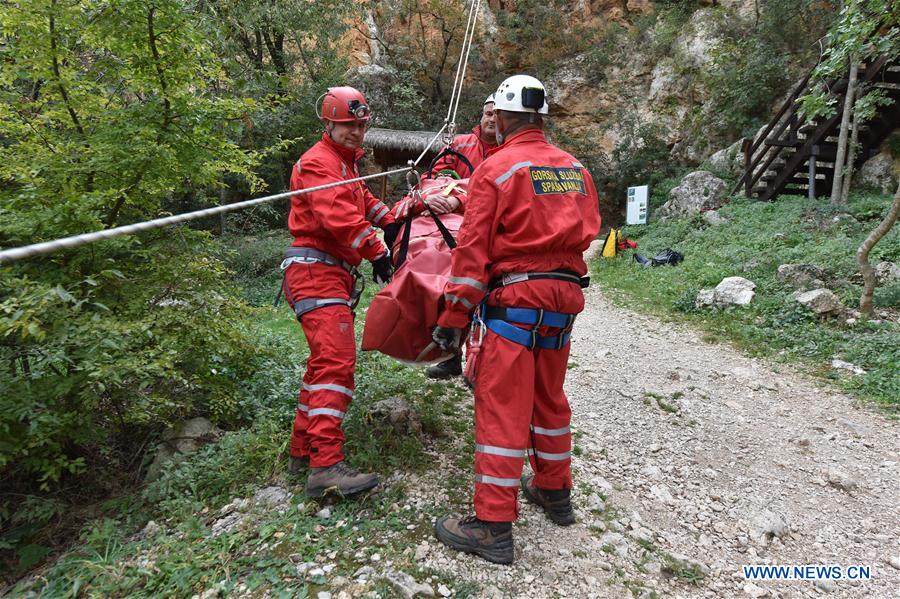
<point>531,213</point>
<point>475,147</point>
<point>333,232</point>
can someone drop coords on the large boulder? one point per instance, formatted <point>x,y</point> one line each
<point>732,291</point>
<point>802,276</point>
<point>699,191</point>
<point>729,161</point>
<point>878,173</point>
<point>821,301</point>
<point>180,441</point>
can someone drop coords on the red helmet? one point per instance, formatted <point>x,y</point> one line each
<point>344,104</point>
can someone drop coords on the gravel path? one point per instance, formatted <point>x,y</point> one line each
<point>694,460</point>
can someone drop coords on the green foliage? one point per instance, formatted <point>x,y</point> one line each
<point>750,69</point>
<point>534,38</point>
<point>758,238</point>
<point>865,30</point>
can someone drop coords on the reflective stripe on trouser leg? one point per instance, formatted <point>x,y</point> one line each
<point>503,399</point>
<point>299,436</point>
<point>551,455</point>
<point>328,386</point>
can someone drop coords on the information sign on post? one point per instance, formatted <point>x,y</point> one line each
<point>636,207</point>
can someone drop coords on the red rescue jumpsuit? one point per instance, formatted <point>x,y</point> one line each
<point>337,221</point>
<point>532,208</point>
<point>470,146</point>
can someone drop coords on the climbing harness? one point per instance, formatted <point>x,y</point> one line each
<point>555,275</point>
<point>499,320</point>
<point>303,255</point>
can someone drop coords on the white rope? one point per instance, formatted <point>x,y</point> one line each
<point>47,247</point>
<point>476,5</point>
<point>457,81</point>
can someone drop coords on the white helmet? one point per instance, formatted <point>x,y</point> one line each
<point>490,99</point>
<point>521,93</point>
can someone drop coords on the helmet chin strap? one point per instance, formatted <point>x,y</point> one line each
<point>329,127</point>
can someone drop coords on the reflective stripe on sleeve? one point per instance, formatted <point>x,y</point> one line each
<point>359,238</point>
<point>501,451</point>
<point>493,480</point>
<point>458,300</point>
<point>328,387</point>
<point>551,432</point>
<point>470,282</point>
<point>381,213</point>
<point>511,171</point>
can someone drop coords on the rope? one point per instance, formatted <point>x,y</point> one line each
<point>456,93</point>
<point>47,247</point>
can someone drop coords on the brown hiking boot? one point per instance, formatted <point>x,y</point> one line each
<point>296,464</point>
<point>338,477</point>
<point>491,540</point>
<point>557,504</point>
<point>445,369</point>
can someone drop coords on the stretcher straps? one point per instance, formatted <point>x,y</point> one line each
<point>448,151</point>
<point>407,230</point>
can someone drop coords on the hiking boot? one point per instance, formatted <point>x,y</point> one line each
<point>338,477</point>
<point>557,504</point>
<point>491,540</point>
<point>445,369</point>
<point>296,464</point>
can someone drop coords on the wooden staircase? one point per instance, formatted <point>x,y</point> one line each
<point>795,156</point>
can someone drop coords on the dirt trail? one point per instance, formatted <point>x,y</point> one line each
<point>709,460</point>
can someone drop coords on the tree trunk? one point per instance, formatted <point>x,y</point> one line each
<point>845,127</point>
<point>862,254</point>
<point>852,150</point>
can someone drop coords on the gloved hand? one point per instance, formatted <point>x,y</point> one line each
<point>390,234</point>
<point>382,269</point>
<point>446,338</point>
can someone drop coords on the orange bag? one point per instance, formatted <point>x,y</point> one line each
<point>401,316</point>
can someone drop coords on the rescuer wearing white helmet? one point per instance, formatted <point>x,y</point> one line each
<point>518,274</point>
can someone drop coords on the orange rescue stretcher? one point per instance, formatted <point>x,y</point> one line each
<point>402,315</point>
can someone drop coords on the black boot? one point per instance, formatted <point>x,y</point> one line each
<point>491,540</point>
<point>557,504</point>
<point>445,369</point>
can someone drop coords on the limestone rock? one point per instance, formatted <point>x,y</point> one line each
<point>802,276</point>
<point>406,585</point>
<point>820,301</point>
<point>728,161</point>
<point>885,272</point>
<point>700,190</point>
<point>398,414</point>
<point>732,291</point>
<point>878,173</point>
<point>271,498</point>
<point>767,526</point>
<point>714,218</point>
<point>181,440</point>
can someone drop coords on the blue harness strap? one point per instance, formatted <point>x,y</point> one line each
<point>498,320</point>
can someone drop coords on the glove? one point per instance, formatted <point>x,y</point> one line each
<point>390,234</point>
<point>446,338</point>
<point>382,269</point>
